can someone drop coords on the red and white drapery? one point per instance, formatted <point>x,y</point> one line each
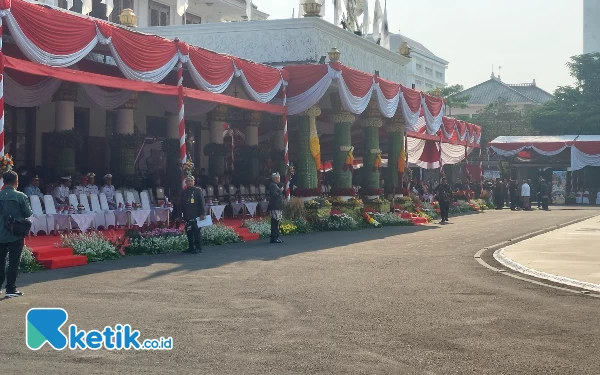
<point>585,150</point>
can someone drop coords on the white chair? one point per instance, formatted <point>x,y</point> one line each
<point>598,198</point>
<point>579,197</point>
<point>261,190</point>
<point>136,196</point>
<point>243,191</point>
<point>83,199</point>
<point>220,191</point>
<point>253,191</point>
<point>145,200</point>
<point>210,191</point>
<point>232,190</point>
<point>39,218</point>
<point>100,218</point>
<point>129,197</point>
<point>108,214</point>
<point>50,211</point>
<point>586,197</point>
<point>73,201</point>
<point>119,199</point>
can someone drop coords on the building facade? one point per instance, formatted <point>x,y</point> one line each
<point>591,26</point>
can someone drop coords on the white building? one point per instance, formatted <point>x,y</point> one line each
<point>591,26</point>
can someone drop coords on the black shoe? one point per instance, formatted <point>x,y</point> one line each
<point>192,251</point>
<point>13,294</point>
<point>276,241</point>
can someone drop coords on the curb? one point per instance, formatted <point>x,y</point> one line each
<point>512,265</point>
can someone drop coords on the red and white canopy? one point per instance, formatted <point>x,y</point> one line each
<point>585,149</point>
<point>53,37</point>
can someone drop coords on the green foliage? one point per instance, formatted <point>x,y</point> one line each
<point>219,234</point>
<point>503,119</point>
<point>28,263</point>
<point>260,226</point>
<point>65,139</point>
<point>338,222</point>
<point>215,149</point>
<point>294,209</point>
<point>126,141</point>
<point>390,219</point>
<point>93,245</point>
<point>574,109</point>
<point>157,245</point>
<point>452,96</point>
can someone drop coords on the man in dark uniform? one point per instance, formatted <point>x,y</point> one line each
<point>544,194</point>
<point>192,204</point>
<point>16,205</point>
<point>275,207</point>
<point>498,198</point>
<point>443,193</point>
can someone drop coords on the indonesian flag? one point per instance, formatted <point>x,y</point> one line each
<point>249,9</point>
<point>385,39</point>
<point>366,19</point>
<point>109,7</point>
<point>377,21</point>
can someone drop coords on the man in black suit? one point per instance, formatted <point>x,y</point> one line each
<point>275,207</point>
<point>192,204</point>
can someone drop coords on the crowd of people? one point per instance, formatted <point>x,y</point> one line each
<point>518,196</point>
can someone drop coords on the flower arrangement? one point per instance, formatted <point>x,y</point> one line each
<point>187,168</point>
<point>28,262</point>
<point>390,219</point>
<point>342,192</point>
<point>219,234</point>
<point>288,228</point>
<point>460,195</point>
<point>371,191</point>
<point>93,245</point>
<point>370,220</point>
<point>302,192</point>
<point>338,222</point>
<point>6,163</point>
<point>352,202</point>
<point>317,203</point>
<point>260,226</point>
<point>157,245</point>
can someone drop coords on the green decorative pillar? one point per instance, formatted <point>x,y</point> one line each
<point>395,140</point>
<point>371,124</point>
<point>64,100</point>
<point>252,167</point>
<point>216,149</point>
<point>342,120</point>
<point>123,152</point>
<point>306,168</point>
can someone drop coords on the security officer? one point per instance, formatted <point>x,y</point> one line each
<point>192,203</point>
<point>275,207</point>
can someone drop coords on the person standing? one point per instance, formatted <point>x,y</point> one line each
<point>539,192</point>
<point>34,189</point>
<point>498,198</point>
<point>275,207</point>
<point>61,192</point>
<point>544,194</point>
<point>109,191</point>
<point>514,195</point>
<point>16,205</point>
<point>192,203</point>
<point>443,193</point>
<point>526,195</point>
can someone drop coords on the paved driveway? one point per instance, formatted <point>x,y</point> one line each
<point>387,301</point>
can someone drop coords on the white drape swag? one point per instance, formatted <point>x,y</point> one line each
<point>18,95</point>
<point>105,99</point>
<point>580,159</point>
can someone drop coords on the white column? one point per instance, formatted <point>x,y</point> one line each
<point>216,131</point>
<point>125,116</point>
<point>64,101</point>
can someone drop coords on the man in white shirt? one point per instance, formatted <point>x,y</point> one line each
<point>91,187</point>
<point>109,190</point>
<point>61,192</point>
<point>526,195</point>
<point>80,188</point>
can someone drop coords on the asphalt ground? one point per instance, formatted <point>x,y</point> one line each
<point>408,300</point>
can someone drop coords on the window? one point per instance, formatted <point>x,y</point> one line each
<point>439,74</point>
<point>192,19</point>
<point>429,85</point>
<point>19,138</point>
<point>119,5</point>
<point>419,83</point>
<point>159,14</point>
<point>428,70</point>
<point>419,66</point>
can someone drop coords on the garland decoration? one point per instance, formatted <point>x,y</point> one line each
<point>126,141</point>
<point>66,139</point>
<point>215,149</point>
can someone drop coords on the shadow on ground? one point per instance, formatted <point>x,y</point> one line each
<point>217,256</point>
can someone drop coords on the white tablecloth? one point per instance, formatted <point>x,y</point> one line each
<point>139,217</point>
<point>264,206</point>
<point>121,217</point>
<point>81,221</point>
<point>237,207</point>
<point>251,206</point>
<point>218,211</point>
<point>161,214</point>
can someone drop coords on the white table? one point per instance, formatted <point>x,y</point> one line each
<point>82,221</point>
<point>122,218</point>
<point>251,207</point>
<point>264,206</point>
<point>162,214</point>
<point>139,217</point>
<point>217,211</point>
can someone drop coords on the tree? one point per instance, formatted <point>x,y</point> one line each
<point>452,97</point>
<point>574,109</point>
<point>502,119</point>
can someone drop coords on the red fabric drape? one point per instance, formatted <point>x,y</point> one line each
<point>434,104</point>
<point>412,98</point>
<point>213,67</point>
<point>24,79</point>
<point>431,152</point>
<point>461,126</point>
<point>389,89</point>
<point>303,77</point>
<point>448,124</point>
<point>261,78</point>
<point>359,83</point>
<point>55,32</point>
<point>143,52</point>
<point>590,148</point>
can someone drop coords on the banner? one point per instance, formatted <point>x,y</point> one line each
<point>559,187</point>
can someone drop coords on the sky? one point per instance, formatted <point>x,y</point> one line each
<point>529,39</point>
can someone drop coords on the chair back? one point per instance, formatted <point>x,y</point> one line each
<point>252,190</point>
<point>220,191</point>
<point>145,200</point>
<point>136,197</point>
<point>261,189</point>
<point>243,190</point>
<point>96,207</point>
<point>36,205</point>
<point>210,191</point>
<point>84,201</point>
<point>49,204</point>
<point>129,197</point>
<point>232,190</point>
<point>160,193</point>
<point>73,201</point>
<point>104,202</point>
<point>119,199</point>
